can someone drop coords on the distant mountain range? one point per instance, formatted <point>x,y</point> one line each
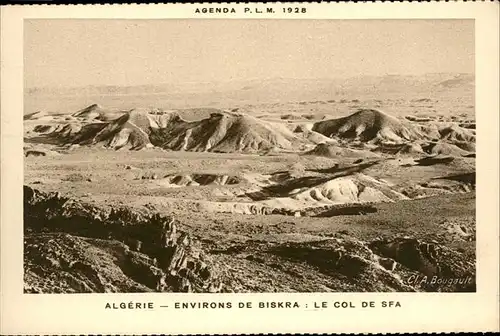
<point>277,86</point>
<point>255,92</point>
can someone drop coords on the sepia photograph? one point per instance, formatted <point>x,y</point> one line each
<point>249,156</point>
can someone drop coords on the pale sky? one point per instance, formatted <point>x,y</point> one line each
<point>136,52</point>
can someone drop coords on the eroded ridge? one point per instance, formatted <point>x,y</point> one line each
<point>75,247</point>
<point>71,246</point>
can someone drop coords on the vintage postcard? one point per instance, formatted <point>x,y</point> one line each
<point>250,168</point>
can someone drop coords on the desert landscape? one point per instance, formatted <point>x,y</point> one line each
<point>328,195</point>
<point>359,183</point>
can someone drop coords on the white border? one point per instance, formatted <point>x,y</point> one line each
<point>84,313</point>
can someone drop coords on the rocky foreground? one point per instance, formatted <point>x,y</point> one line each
<point>73,247</point>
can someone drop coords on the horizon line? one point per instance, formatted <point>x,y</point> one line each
<point>247,80</point>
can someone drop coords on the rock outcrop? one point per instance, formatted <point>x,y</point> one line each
<point>61,235</point>
<point>430,260</point>
<point>75,247</point>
